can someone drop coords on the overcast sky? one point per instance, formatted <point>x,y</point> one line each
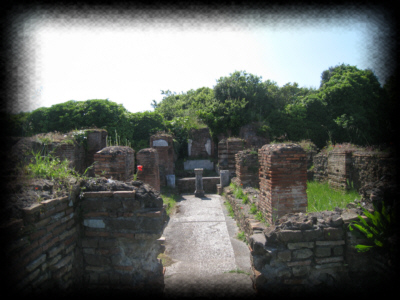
<point>130,57</point>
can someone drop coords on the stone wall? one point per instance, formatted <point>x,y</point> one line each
<point>188,185</point>
<point>247,168</point>
<point>119,241</point>
<point>80,154</point>
<point>200,145</point>
<point>163,143</point>
<point>104,236</point>
<point>41,248</point>
<point>227,148</point>
<point>339,167</point>
<point>358,168</point>
<point>148,158</point>
<point>116,162</point>
<point>370,167</point>
<point>310,253</point>
<point>283,180</point>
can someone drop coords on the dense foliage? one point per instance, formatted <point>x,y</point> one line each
<point>349,106</point>
<point>98,113</point>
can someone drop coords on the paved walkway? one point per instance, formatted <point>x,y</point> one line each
<point>202,246</point>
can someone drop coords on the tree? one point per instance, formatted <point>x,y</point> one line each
<point>354,102</point>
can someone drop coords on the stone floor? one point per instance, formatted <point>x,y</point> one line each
<point>204,253</point>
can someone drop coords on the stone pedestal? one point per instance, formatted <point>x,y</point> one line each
<point>224,175</point>
<point>199,192</point>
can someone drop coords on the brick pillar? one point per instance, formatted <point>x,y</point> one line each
<point>283,180</point>
<point>116,162</point>
<point>148,158</point>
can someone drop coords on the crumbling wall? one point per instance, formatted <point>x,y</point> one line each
<point>368,167</point>
<point>41,248</point>
<point>115,162</point>
<point>105,236</point>
<point>163,143</point>
<point>283,180</point>
<point>247,168</point>
<point>120,240</point>
<point>356,168</point>
<point>310,253</point>
<point>150,174</point>
<point>227,148</point>
<point>64,146</point>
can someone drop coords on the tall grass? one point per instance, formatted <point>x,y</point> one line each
<point>321,197</point>
<point>49,167</point>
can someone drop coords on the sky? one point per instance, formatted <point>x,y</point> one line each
<point>130,57</point>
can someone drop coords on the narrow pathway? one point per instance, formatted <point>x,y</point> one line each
<point>202,248</point>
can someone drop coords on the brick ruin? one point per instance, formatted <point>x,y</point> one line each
<point>358,168</point>
<point>80,154</point>
<point>150,174</point>
<point>116,162</point>
<point>102,237</point>
<point>283,180</point>
<point>163,143</point>
<point>247,168</point>
<point>227,148</point>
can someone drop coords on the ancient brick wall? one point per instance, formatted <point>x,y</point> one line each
<point>119,242</point>
<point>116,162</point>
<point>310,252</point>
<point>227,148</point>
<point>283,180</point>
<point>370,167</point>
<point>358,167</point>
<point>41,247</point>
<point>188,185</point>
<point>74,153</point>
<point>103,237</point>
<point>163,143</point>
<point>149,159</point>
<point>200,144</point>
<point>247,168</point>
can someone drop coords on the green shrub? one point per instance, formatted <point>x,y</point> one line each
<point>379,227</point>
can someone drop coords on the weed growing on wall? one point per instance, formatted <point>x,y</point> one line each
<point>49,167</point>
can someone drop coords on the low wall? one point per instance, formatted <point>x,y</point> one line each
<point>309,253</point>
<point>102,236</point>
<point>188,185</point>
<point>356,167</point>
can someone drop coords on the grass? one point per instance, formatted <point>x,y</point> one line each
<point>230,209</point>
<point>239,194</point>
<point>321,197</point>
<point>49,167</point>
<point>170,197</point>
<point>241,236</point>
<point>238,271</point>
